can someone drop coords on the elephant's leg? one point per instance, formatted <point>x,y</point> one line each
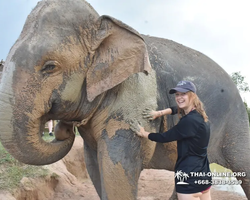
<point>90,156</point>
<point>120,165</point>
<point>236,148</point>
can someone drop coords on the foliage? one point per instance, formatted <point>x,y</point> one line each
<point>242,86</point>
<point>12,171</point>
<point>238,79</point>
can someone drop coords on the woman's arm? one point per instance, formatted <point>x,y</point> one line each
<point>167,111</point>
<point>184,129</point>
<point>152,114</point>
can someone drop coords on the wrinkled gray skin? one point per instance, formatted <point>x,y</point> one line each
<point>70,64</point>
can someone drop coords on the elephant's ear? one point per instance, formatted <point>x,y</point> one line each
<point>118,52</point>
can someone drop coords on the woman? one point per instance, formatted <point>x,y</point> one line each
<point>192,135</point>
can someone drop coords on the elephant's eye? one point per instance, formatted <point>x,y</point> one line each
<point>49,67</point>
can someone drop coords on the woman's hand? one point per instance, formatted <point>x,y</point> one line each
<point>138,129</point>
<point>150,114</point>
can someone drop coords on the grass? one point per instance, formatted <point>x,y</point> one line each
<point>5,157</point>
<point>12,171</point>
<point>10,177</point>
<point>48,138</point>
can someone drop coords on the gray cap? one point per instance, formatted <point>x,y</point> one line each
<point>183,86</point>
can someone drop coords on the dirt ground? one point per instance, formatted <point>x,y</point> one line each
<point>158,185</point>
<point>69,180</point>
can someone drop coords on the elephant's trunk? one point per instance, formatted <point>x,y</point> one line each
<point>21,132</point>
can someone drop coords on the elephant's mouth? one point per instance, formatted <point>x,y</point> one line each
<point>64,130</point>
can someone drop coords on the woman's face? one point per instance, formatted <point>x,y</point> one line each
<point>182,100</point>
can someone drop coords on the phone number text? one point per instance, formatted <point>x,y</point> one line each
<point>218,182</point>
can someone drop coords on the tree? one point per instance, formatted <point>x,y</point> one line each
<point>238,79</point>
<point>242,86</point>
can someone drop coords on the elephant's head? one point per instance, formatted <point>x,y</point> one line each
<point>64,59</point>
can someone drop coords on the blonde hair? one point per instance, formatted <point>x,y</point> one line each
<point>198,105</point>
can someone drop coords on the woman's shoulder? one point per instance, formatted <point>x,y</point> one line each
<point>193,117</point>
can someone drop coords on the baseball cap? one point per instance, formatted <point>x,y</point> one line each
<point>183,86</point>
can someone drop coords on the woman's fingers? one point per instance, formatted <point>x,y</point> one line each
<point>135,126</point>
<point>148,114</point>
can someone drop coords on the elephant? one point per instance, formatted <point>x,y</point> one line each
<point>96,73</point>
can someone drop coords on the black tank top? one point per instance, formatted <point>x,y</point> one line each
<point>192,172</point>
